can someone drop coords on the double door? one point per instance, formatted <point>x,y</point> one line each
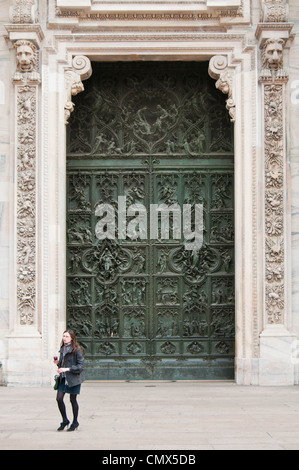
<point>147,136</point>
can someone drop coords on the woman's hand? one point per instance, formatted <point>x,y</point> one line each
<point>63,369</point>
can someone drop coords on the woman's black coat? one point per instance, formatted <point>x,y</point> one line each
<point>75,362</point>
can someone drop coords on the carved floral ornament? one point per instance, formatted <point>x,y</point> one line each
<point>274,11</point>
<point>274,201</point>
<point>272,78</point>
<point>24,11</point>
<point>26,201</point>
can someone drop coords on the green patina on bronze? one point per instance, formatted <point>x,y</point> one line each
<point>157,133</point>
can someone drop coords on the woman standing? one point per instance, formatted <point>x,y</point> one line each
<point>71,371</point>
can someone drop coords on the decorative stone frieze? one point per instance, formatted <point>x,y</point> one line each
<point>149,13</point>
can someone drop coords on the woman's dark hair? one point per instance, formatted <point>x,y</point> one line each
<point>74,341</point>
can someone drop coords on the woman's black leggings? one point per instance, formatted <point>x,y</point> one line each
<point>62,409</point>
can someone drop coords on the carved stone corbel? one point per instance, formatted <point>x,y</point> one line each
<point>81,70</point>
<point>218,70</point>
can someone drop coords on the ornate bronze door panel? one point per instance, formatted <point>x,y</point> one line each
<point>147,308</point>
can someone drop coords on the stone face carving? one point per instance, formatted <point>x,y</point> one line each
<point>272,59</point>
<point>218,69</point>
<point>27,61</point>
<point>81,70</point>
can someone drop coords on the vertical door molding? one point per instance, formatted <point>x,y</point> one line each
<point>235,76</point>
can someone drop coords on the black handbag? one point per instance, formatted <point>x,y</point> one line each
<point>57,380</point>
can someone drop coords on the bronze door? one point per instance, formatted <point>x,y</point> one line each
<point>145,307</point>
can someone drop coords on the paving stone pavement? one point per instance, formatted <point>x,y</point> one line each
<point>154,416</point>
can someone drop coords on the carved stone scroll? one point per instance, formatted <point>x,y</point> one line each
<point>218,69</point>
<point>26,81</point>
<point>81,70</point>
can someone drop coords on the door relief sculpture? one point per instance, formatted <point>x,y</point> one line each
<point>146,307</point>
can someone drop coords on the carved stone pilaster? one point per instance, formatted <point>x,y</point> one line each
<point>272,41</point>
<point>26,94</point>
<point>81,70</point>
<point>219,70</point>
<point>274,163</point>
<point>26,80</point>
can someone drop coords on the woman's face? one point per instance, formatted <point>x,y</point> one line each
<point>66,338</point>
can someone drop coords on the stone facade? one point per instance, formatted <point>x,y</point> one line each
<point>46,54</point>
